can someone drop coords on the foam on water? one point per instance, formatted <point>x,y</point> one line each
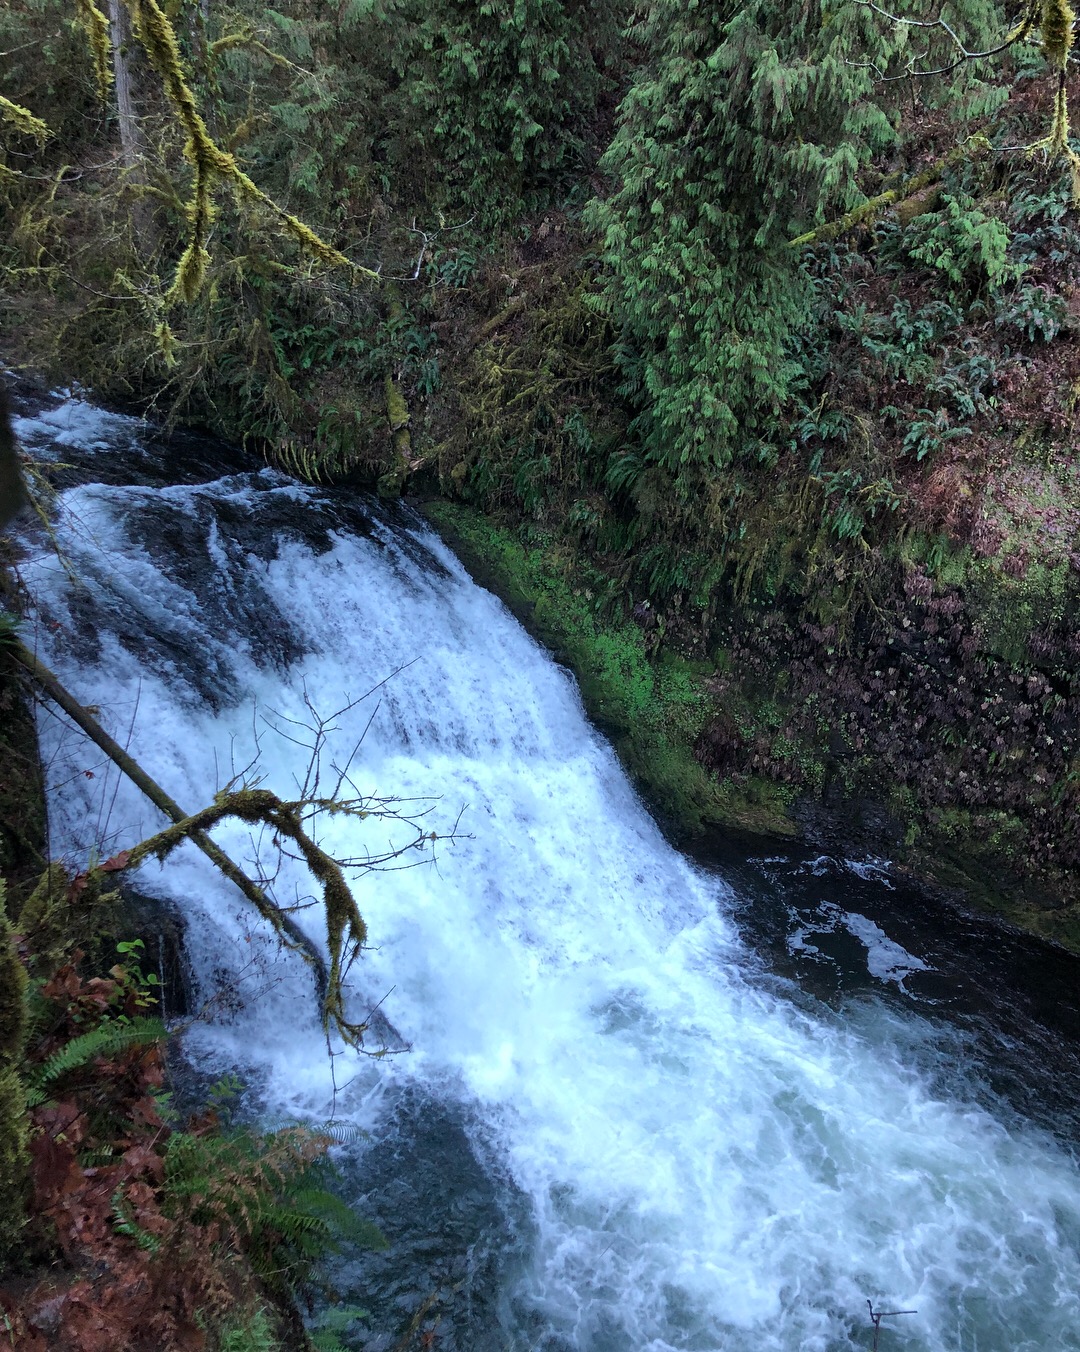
<point>885,958</point>
<point>76,423</point>
<point>706,1164</point>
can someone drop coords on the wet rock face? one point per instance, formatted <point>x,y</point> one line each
<point>12,488</point>
<point>921,735</point>
<point>160,926</point>
<point>454,1232</point>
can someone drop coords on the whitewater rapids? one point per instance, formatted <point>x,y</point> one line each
<point>682,1154</point>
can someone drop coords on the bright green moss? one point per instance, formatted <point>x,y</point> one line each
<point>653,710</point>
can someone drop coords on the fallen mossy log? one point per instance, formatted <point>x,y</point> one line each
<point>346,931</point>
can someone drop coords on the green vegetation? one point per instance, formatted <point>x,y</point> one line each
<point>128,1224</point>
<point>14,1161</point>
<point>733,341</point>
<point>752,329</point>
<point>653,707</point>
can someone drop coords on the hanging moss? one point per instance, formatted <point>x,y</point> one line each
<point>1057,32</point>
<point>97,28</point>
<point>346,932</point>
<point>157,36</point>
<point>1058,19</point>
<point>23,120</point>
<point>166,341</point>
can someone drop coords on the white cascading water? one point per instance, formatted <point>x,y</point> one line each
<point>703,1163</point>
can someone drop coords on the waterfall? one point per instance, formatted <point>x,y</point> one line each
<point>635,1136</point>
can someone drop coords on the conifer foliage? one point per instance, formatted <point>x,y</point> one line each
<point>500,95</point>
<point>750,126</point>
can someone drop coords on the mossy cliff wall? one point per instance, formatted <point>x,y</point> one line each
<point>932,736</point>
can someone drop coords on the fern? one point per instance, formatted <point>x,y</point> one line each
<point>107,1039</point>
<point>260,1188</point>
<point>256,1335</point>
<point>317,1210</point>
<point>963,242</point>
<point>126,1224</point>
<point>326,1335</point>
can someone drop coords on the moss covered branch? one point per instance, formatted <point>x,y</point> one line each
<point>346,931</point>
<point>284,926</point>
<point>211,163</point>
<point>23,120</point>
<point>972,148</point>
<point>97,30</point>
<point>398,419</point>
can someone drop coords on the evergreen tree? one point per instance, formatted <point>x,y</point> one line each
<point>750,126</point>
<point>499,95</point>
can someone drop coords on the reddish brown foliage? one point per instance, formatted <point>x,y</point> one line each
<point>138,1284</point>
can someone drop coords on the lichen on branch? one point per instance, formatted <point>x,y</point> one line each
<point>154,30</point>
<point>97,29</point>
<point>346,931</point>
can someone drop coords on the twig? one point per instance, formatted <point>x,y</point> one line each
<point>1022,29</point>
<point>876,1316</point>
<point>161,800</point>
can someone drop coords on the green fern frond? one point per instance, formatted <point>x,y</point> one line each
<point>97,1159</point>
<point>338,1217</point>
<point>326,1335</point>
<point>333,1132</point>
<point>254,1335</point>
<point>127,1225</point>
<point>107,1039</point>
<point>9,628</point>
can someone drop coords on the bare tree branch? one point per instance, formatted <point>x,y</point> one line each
<point>1018,34</point>
<point>290,821</point>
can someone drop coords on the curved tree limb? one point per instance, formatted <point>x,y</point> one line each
<point>1018,33</point>
<point>1055,21</point>
<point>346,931</point>
<point>290,933</point>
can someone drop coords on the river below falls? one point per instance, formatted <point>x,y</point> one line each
<point>649,1102</point>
